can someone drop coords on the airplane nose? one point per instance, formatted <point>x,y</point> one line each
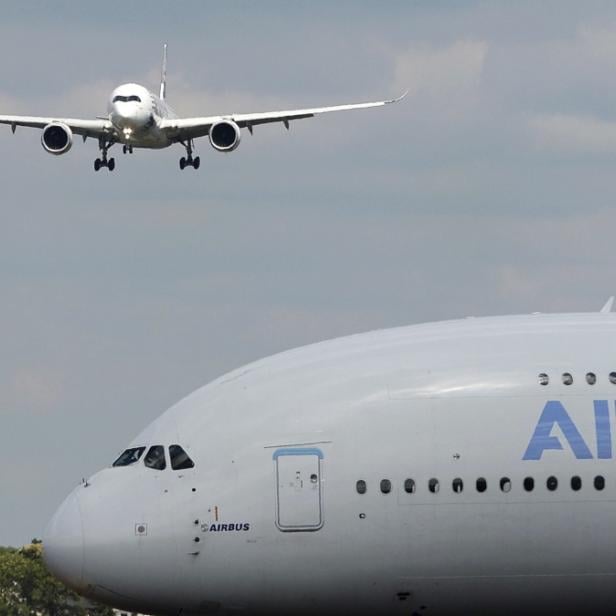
<point>130,118</point>
<point>63,543</point>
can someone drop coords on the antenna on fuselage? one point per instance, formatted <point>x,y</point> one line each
<point>163,75</point>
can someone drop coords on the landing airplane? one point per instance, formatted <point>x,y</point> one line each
<point>464,467</point>
<point>137,118</point>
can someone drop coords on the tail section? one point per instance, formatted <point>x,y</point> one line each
<point>163,76</point>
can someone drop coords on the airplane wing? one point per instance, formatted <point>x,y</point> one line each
<point>86,128</point>
<point>191,128</point>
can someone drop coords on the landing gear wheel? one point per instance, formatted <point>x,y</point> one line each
<point>111,164</point>
<point>189,161</point>
<point>124,149</point>
<point>97,164</point>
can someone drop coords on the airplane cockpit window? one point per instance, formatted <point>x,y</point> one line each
<point>155,458</point>
<point>126,99</point>
<point>130,456</point>
<point>179,458</point>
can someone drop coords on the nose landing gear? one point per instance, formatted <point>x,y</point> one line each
<point>189,161</point>
<point>127,149</point>
<point>103,161</point>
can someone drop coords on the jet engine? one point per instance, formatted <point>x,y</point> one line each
<point>225,136</point>
<point>57,138</point>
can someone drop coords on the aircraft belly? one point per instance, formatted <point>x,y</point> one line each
<point>521,596</point>
<point>150,139</point>
<point>385,570</point>
<point>510,596</point>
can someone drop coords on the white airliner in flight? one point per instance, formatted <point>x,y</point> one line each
<point>137,118</point>
<point>464,467</point>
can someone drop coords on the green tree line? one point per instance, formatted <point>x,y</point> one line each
<point>28,589</point>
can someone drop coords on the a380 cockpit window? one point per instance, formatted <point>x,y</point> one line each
<point>126,99</point>
<point>130,456</point>
<point>155,458</point>
<point>180,460</point>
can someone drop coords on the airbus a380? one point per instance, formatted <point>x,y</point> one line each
<point>137,118</point>
<point>463,467</point>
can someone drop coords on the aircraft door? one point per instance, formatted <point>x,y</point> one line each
<point>299,504</point>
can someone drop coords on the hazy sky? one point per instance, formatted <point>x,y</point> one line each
<point>490,190</point>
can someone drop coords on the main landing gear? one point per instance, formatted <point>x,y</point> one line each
<point>103,162</point>
<point>189,161</point>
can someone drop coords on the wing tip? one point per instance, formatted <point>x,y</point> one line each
<point>397,99</point>
<point>607,307</point>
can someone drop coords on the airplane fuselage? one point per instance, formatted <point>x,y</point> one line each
<point>421,470</point>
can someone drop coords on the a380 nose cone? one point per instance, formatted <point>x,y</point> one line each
<point>63,543</point>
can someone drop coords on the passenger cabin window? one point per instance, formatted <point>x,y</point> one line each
<point>529,484</point>
<point>567,378</point>
<point>385,486</point>
<point>126,99</point>
<point>155,458</point>
<point>613,378</point>
<point>551,483</point>
<point>130,456</point>
<point>360,486</point>
<point>433,485</point>
<point>482,485</point>
<point>591,378</point>
<point>505,484</point>
<point>457,485</point>
<point>544,379</point>
<point>576,483</point>
<point>409,486</point>
<point>180,460</point>
<point>599,482</point>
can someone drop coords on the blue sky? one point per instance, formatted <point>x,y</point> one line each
<point>489,190</point>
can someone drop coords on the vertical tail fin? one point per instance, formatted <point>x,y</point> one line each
<point>163,75</point>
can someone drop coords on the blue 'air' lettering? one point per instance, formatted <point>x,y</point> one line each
<point>555,414</point>
<point>603,429</point>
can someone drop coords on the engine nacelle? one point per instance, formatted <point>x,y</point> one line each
<point>57,138</point>
<point>225,136</point>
